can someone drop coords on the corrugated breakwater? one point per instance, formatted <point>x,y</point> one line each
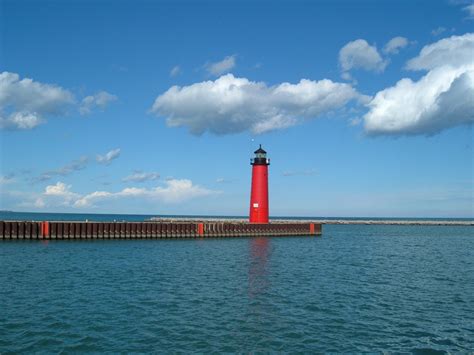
<point>154,230</point>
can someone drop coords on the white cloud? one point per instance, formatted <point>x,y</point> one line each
<point>59,194</point>
<point>176,70</point>
<point>107,158</point>
<point>438,31</point>
<point>441,99</point>
<point>395,44</point>
<point>453,51</point>
<point>231,105</point>
<point>100,100</point>
<point>224,66</point>
<point>25,103</point>
<point>20,120</point>
<point>88,200</point>
<point>470,11</point>
<point>174,191</point>
<point>60,189</point>
<point>359,54</point>
<point>141,177</point>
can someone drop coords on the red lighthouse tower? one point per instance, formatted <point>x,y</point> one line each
<point>259,194</point>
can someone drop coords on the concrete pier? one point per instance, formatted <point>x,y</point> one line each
<point>405,222</point>
<point>410,222</point>
<point>154,229</point>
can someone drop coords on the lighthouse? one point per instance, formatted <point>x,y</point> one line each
<point>259,192</point>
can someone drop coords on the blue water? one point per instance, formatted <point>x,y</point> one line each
<point>356,289</point>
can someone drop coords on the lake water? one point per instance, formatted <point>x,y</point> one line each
<point>355,289</point>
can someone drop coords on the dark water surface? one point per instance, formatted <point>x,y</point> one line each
<point>358,288</point>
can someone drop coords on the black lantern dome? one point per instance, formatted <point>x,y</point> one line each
<point>260,150</point>
<point>260,157</point>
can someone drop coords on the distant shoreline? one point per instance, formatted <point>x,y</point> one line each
<point>335,221</point>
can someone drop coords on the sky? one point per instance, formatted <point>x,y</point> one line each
<point>365,108</point>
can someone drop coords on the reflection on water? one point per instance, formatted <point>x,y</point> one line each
<point>258,268</point>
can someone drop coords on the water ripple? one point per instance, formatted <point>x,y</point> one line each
<point>357,289</point>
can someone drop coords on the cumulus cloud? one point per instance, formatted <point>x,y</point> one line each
<point>359,54</point>
<point>67,169</point>
<point>100,100</point>
<point>219,68</point>
<point>21,120</point>
<point>175,71</point>
<point>60,189</point>
<point>141,177</point>
<point>25,104</point>
<point>231,105</point>
<point>454,51</point>
<point>58,194</point>
<point>441,99</point>
<point>107,158</point>
<point>395,44</point>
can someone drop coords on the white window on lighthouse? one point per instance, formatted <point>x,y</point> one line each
<point>255,205</point>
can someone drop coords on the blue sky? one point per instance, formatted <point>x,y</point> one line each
<point>365,108</point>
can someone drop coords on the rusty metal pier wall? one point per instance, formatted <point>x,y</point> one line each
<point>146,230</point>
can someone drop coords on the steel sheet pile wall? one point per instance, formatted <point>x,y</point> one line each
<point>141,230</point>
